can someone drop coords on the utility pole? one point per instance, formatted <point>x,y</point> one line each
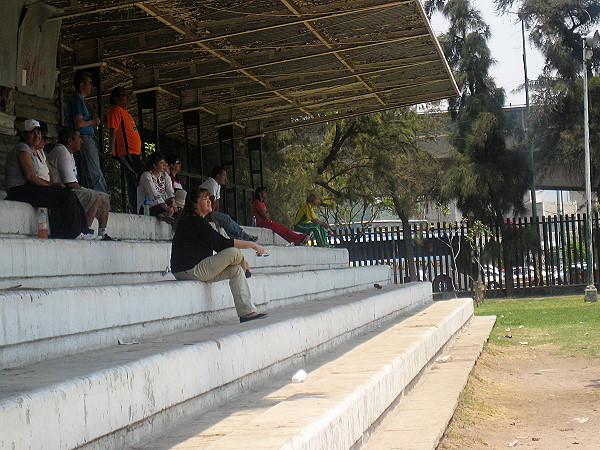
<point>527,131</point>
<point>589,43</point>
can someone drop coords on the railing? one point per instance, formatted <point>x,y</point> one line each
<point>522,253</point>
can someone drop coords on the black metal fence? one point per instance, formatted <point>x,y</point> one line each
<point>522,253</point>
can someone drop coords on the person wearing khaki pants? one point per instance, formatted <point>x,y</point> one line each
<point>192,256</point>
<point>226,265</point>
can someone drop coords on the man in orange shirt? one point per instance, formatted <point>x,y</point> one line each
<point>124,141</point>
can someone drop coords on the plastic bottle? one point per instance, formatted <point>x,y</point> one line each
<point>146,206</point>
<point>253,221</point>
<point>299,376</point>
<point>42,223</point>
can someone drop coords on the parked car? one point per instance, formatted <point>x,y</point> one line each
<point>492,276</point>
<point>523,276</point>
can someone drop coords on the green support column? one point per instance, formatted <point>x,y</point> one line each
<point>147,100</point>
<point>256,161</point>
<point>227,150</point>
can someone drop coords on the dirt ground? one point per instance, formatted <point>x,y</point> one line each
<point>528,397</point>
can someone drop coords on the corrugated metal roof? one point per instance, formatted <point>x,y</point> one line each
<point>266,65</point>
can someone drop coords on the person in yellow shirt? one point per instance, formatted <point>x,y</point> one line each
<point>306,221</point>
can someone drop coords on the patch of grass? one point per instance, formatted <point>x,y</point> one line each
<point>469,409</point>
<point>569,323</point>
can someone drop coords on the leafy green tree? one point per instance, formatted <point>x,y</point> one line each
<point>359,166</point>
<point>487,179</point>
<point>341,162</point>
<point>290,161</point>
<point>410,179</point>
<point>556,29</point>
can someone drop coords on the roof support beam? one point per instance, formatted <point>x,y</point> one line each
<point>206,39</point>
<point>315,105</point>
<point>315,120</point>
<point>98,9</point>
<point>298,58</point>
<point>311,121</point>
<point>321,37</point>
<point>112,65</point>
<point>334,78</point>
<point>182,29</point>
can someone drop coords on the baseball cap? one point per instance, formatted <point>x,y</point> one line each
<point>44,130</point>
<point>31,124</point>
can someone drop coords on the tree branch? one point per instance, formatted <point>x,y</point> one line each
<point>336,146</point>
<point>328,188</point>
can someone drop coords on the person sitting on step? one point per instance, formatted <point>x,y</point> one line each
<point>96,204</point>
<point>45,172</point>
<point>174,168</point>
<point>218,177</point>
<point>155,187</point>
<point>263,219</point>
<point>192,256</point>
<point>307,222</point>
<point>23,184</point>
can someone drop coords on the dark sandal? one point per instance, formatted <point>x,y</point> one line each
<point>248,319</point>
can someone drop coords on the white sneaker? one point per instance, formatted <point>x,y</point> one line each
<point>87,237</point>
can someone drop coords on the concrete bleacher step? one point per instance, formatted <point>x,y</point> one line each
<point>51,263</point>
<point>113,397</point>
<point>48,323</point>
<point>18,219</point>
<point>419,420</point>
<point>345,392</point>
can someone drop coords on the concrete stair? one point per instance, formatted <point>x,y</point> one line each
<point>50,263</point>
<point>49,323</point>
<point>19,219</point>
<point>435,396</point>
<point>101,348</point>
<point>117,395</point>
<point>346,391</point>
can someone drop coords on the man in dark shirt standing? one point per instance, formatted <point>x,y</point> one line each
<point>77,113</point>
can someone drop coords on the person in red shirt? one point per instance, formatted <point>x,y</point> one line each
<point>263,219</point>
<point>124,141</point>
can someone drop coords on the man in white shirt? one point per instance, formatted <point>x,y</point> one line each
<point>96,204</point>
<point>218,177</point>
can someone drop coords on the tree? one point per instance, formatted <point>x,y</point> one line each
<point>341,160</point>
<point>410,179</point>
<point>487,179</point>
<point>361,166</point>
<point>556,29</point>
<point>325,159</point>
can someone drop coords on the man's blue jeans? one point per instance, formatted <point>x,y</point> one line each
<point>91,173</point>
<point>234,231</point>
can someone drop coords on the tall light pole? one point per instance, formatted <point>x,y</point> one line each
<point>527,131</point>
<point>590,42</point>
